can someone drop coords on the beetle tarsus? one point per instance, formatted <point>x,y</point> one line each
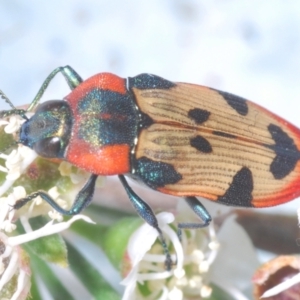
<point>199,209</point>
<point>83,199</point>
<point>168,262</point>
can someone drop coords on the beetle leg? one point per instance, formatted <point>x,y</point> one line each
<point>200,211</point>
<point>83,198</point>
<point>146,213</point>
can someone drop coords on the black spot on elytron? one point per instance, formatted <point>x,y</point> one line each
<point>240,190</point>
<point>199,115</point>
<point>224,134</point>
<point>201,144</point>
<point>286,151</point>
<point>155,174</point>
<point>145,121</point>
<point>149,81</point>
<point>239,104</point>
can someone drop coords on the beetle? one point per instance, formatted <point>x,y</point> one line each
<point>177,138</point>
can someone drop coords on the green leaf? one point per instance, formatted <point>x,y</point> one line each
<point>105,215</point>
<point>92,232</point>
<point>6,140</point>
<point>34,291</point>
<point>53,284</point>
<point>115,239</point>
<point>50,248</point>
<point>9,288</point>
<point>89,276</point>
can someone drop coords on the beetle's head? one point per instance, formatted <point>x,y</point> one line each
<point>48,131</point>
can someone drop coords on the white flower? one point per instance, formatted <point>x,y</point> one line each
<point>65,168</point>
<point>77,176</point>
<point>13,125</point>
<point>149,267</point>
<point>19,159</point>
<point>16,163</point>
<point>48,229</point>
<point>53,214</point>
<point>19,267</point>
<point>6,212</point>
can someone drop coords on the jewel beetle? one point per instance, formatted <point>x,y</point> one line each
<point>177,138</point>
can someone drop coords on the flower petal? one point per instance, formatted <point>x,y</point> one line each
<point>143,238</point>
<point>23,286</point>
<point>282,286</point>
<point>140,243</point>
<point>10,269</point>
<point>129,293</point>
<point>48,229</point>
<point>28,156</point>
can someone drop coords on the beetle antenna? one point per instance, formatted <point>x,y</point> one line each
<point>14,111</point>
<point>3,96</point>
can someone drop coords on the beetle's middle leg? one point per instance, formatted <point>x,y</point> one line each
<point>146,213</point>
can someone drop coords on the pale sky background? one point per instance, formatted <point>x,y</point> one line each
<point>250,48</point>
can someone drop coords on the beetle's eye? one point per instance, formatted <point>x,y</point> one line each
<point>48,147</point>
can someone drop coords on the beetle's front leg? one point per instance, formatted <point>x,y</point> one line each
<point>200,211</point>
<point>83,198</point>
<point>146,213</point>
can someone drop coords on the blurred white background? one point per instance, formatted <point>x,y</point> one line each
<point>250,48</point>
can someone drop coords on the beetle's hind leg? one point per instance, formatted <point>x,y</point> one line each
<point>200,211</point>
<point>146,213</point>
<point>83,199</point>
